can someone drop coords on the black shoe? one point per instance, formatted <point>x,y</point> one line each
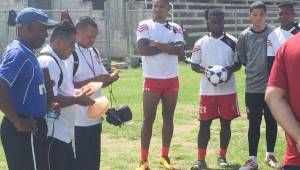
<point>222,162</point>
<point>199,165</point>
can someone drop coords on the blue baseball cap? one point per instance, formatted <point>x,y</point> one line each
<point>30,15</point>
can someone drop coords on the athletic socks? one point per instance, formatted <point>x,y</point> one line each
<point>222,152</point>
<point>144,154</point>
<point>201,153</point>
<point>253,158</point>
<point>165,151</point>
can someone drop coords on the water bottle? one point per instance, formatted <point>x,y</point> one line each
<point>51,114</point>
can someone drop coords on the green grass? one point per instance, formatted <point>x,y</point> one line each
<point>120,146</point>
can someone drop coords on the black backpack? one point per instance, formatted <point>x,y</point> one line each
<point>76,60</point>
<point>61,73</point>
<point>75,67</point>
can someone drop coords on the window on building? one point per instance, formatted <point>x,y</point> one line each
<point>97,4</point>
<point>42,4</point>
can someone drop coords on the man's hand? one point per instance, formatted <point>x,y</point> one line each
<point>153,43</point>
<point>91,88</point>
<point>115,74</point>
<point>84,100</point>
<point>229,72</point>
<point>26,125</point>
<point>156,44</point>
<point>55,107</point>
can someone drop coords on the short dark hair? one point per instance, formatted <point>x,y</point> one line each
<point>84,22</point>
<point>215,12</point>
<point>258,5</point>
<point>286,4</point>
<point>63,30</point>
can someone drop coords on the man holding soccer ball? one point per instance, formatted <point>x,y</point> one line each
<point>218,98</point>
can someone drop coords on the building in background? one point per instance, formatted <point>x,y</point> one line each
<point>117,19</point>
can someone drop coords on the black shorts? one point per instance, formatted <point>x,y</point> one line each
<point>61,155</point>
<point>23,150</point>
<point>256,105</point>
<point>88,146</point>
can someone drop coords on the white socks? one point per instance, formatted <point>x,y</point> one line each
<point>253,158</point>
<point>269,153</point>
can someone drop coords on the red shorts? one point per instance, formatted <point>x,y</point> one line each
<point>221,106</point>
<point>161,86</point>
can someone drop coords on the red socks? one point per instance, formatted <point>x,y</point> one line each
<point>165,151</point>
<point>144,154</point>
<point>222,152</point>
<point>201,153</point>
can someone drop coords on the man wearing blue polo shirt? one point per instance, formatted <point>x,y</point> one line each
<point>23,98</point>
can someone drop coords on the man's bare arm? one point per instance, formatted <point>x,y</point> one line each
<point>9,111</point>
<point>106,79</point>
<point>198,68</point>
<point>145,49</point>
<point>282,112</point>
<point>170,48</point>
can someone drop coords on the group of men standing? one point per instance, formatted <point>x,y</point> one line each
<point>160,43</point>
<point>32,137</point>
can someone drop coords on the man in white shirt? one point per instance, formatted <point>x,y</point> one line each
<point>216,101</point>
<point>60,130</point>
<point>160,43</point>
<point>288,28</point>
<point>90,69</point>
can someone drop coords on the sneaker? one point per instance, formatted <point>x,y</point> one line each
<point>222,162</point>
<point>271,160</point>
<point>144,165</point>
<point>165,162</point>
<point>249,165</point>
<point>199,165</point>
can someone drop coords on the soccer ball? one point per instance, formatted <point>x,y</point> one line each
<point>216,74</point>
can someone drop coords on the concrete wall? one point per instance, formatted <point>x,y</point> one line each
<point>13,4</point>
<point>118,30</point>
<point>117,23</point>
<point>76,9</point>
<point>8,33</point>
<point>71,4</point>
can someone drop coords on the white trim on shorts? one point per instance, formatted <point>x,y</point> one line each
<point>33,153</point>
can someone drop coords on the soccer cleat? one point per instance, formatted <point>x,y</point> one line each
<point>199,165</point>
<point>165,162</point>
<point>271,160</point>
<point>144,165</point>
<point>249,165</point>
<point>222,162</point>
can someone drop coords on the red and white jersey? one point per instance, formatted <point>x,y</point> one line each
<point>277,37</point>
<point>215,51</point>
<point>162,65</point>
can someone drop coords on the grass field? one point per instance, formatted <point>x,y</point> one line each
<point>120,146</point>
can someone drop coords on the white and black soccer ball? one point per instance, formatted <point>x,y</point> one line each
<point>216,74</point>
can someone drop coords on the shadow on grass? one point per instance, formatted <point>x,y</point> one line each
<point>230,167</point>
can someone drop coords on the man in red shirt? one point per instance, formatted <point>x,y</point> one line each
<point>283,95</point>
